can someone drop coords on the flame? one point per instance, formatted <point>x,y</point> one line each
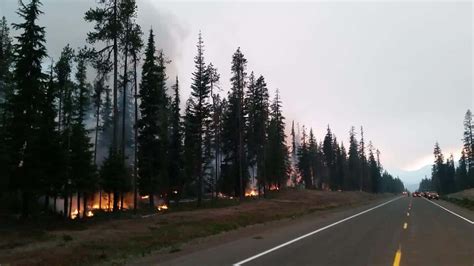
<point>251,193</point>
<point>74,214</point>
<point>162,207</point>
<point>274,187</point>
<point>89,213</point>
<point>145,197</point>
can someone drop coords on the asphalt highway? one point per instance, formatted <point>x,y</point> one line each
<point>397,231</point>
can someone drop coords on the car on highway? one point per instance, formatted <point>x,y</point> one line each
<point>432,195</point>
<point>416,194</point>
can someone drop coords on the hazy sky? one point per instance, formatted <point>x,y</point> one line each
<point>401,69</point>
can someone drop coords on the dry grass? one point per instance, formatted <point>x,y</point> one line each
<point>116,240</point>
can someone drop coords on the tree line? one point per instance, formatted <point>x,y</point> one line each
<point>141,142</point>
<point>328,165</point>
<point>446,176</point>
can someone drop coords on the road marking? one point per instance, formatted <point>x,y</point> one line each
<point>312,233</point>
<point>453,213</point>
<point>408,214</point>
<point>398,257</point>
<point>405,225</point>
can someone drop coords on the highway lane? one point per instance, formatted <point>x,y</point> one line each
<point>405,231</point>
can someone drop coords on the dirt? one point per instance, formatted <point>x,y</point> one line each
<point>117,240</point>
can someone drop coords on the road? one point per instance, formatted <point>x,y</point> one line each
<point>399,231</point>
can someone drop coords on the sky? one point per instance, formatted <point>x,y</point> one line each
<point>401,69</point>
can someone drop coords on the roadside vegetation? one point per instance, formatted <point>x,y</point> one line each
<point>446,176</point>
<point>127,236</point>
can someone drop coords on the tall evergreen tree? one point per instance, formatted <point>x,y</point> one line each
<point>364,180</point>
<point>257,109</point>
<point>236,175</point>
<point>215,125</point>
<point>462,178</point>
<point>329,159</point>
<point>374,170</point>
<point>6,60</point>
<point>468,140</point>
<point>23,137</point>
<point>176,143</point>
<point>313,158</point>
<point>200,110</point>
<point>153,125</point>
<point>304,161</point>
<point>438,170</point>
<point>81,156</point>
<point>6,86</point>
<point>277,159</point>
<point>353,176</point>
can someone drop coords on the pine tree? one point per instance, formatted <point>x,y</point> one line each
<point>6,60</point>
<point>24,124</point>
<point>236,177</point>
<point>304,161</point>
<point>438,170</point>
<point>364,177</point>
<point>293,140</point>
<point>81,156</point>
<point>127,17</point>
<point>136,45</point>
<point>256,136</point>
<point>176,144</point>
<point>153,125</point>
<point>313,158</point>
<point>329,159</point>
<point>52,167</point>
<point>215,125</point>
<point>462,178</point>
<point>200,110</point>
<point>469,145</point>
<point>374,171</point>
<point>353,177</point>
<point>107,29</point>
<point>6,86</point>
<point>277,159</point>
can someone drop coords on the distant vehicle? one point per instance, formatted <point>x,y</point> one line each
<point>432,195</point>
<point>405,193</point>
<point>416,194</point>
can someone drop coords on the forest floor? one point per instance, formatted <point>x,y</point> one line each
<point>115,239</point>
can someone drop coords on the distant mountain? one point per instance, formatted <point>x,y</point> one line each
<point>411,179</point>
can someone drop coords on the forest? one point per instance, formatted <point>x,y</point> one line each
<point>123,140</point>
<point>446,176</point>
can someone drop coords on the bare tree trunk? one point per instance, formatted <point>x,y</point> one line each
<point>78,204</point>
<point>115,50</point>
<point>84,205</point>
<point>70,206</point>
<point>135,158</point>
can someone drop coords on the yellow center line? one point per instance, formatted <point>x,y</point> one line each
<point>398,257</point>
<point>405,225</point>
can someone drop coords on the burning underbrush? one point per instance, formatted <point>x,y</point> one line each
<point>102,202</point>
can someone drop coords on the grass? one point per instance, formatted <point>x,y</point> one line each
<point>464,202</point>
<point>117,238</point>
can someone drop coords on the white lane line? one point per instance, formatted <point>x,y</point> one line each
<point>312,233</point>
<point>453,213</point>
